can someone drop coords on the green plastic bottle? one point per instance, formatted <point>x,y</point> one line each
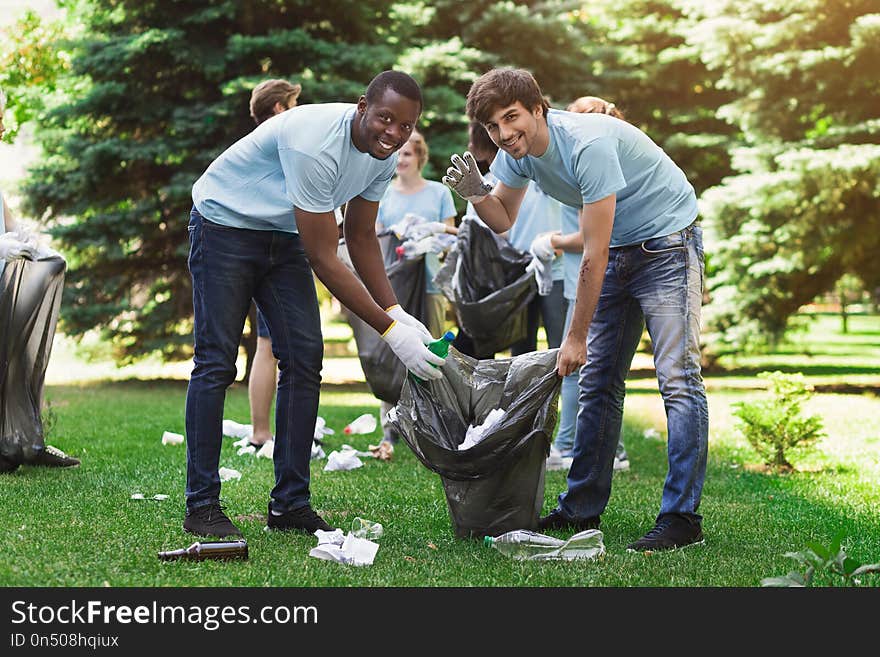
<point>439,347</point>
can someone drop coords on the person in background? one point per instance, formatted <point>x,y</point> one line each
<point>269,98</point>
<point>21,426</point>
<point>642,264</point>
<point>410,193</point>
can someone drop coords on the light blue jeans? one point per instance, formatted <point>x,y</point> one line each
<point>659,283</point>
<point>568,400</point>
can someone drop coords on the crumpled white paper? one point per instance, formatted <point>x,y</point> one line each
<point>475,434</point>
<point>344,460</point>
<point>353,551</point>
<point>236,430</point>
<point>171,438</point>
<point>140,496</point>
<point>227,474</point>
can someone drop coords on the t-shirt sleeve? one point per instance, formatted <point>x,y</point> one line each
<point>508,171</point>
<point>309,182</point>
<point>447,205</point>
<point>598,170</point>
<point>377,188</point>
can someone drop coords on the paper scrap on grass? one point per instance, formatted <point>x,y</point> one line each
<point>354,551</point>
<point>140,496</point>
<point>171,438</point>
<point>345,460</point>
<point>651,434</point>
<point>227,474</point>
<point>236,430</point>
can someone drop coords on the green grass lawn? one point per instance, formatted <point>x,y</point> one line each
<point>80,528</point>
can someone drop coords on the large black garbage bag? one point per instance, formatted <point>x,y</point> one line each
<point>382,369</point>
<point>30,298</point>
<point>498,484</point>
<point>486,280</point>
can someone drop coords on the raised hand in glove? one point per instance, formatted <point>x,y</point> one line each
<point>464,178</point>
<point>11,248</point>
<point>399,314</point>
<point>408,345</point>
<point>542,247</point>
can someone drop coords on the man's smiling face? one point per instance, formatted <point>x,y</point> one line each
<point>383,127</point>
<point>515,129</point>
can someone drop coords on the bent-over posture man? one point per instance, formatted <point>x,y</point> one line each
<point>246,243</point>
<point>642,263</point>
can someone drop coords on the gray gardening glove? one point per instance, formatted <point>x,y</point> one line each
<point>464,178</point>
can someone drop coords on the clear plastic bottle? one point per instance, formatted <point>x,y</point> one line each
<point>439,347</point>
<point>366,529</point>
<point>222,550</point>
<point>365,423</point>
<point>522,544</point>
<point>414,248</point>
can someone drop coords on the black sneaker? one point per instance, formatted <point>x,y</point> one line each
<point>52,457</point>
<point>671,531</point>
<point>209,520</point>
<point>555,520</point>
<point>303,519</point>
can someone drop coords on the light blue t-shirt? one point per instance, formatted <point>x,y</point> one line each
<point>433,202</point>
<point>571,262</point>
<point>538,214</point>
<point>302,158</point>
<point>591,156</point>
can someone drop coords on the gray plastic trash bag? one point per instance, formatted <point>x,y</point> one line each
<point>382,369</point>
<point>30,298</point>
<point>486,280</point>
<point>498,484</point>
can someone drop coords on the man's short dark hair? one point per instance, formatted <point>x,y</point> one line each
<point>398,81</point>
<point>502,87</point>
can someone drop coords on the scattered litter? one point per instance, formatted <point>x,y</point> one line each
<point>171,438</point>
<point>365,423</point>
<point>137,496</point>
<point>247,449</point>
<point>475,434</point>
<point>236,430</point>
<point>357,452</point>
<point>140,496</point>
<point>383,451</point>
<point>366,529</point>
<point>317,452</point>
<point>334,537</point>
<point>266,449</point>
<point>651,434</point>
<point>345,460</point>
<point>226,474</point>
<point>354,551</point>
<point>321,429</point>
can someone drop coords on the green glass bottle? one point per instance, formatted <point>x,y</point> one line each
<point>439,347</point>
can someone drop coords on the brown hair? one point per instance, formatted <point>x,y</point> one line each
<point>420,146</point>
<point>267,93</point>
<point>501,87</point>
<point>594,105</point>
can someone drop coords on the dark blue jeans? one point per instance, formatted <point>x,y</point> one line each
<point>229,266</point>
<point>659,283</point>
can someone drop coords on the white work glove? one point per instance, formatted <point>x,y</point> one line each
<point>11,248</point>
<point>464,178</point>
<point>399,314</point>
<point>542,248</point>
<point>421,231</point>
<point>408,344</point>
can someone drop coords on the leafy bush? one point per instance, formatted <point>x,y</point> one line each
<point>775,425</point>
<point>824,567</point>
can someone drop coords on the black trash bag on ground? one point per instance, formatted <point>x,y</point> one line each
<point>498,484</point>
<point>30,299</point>
<point>486,280</point>
<point>382,369</point>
